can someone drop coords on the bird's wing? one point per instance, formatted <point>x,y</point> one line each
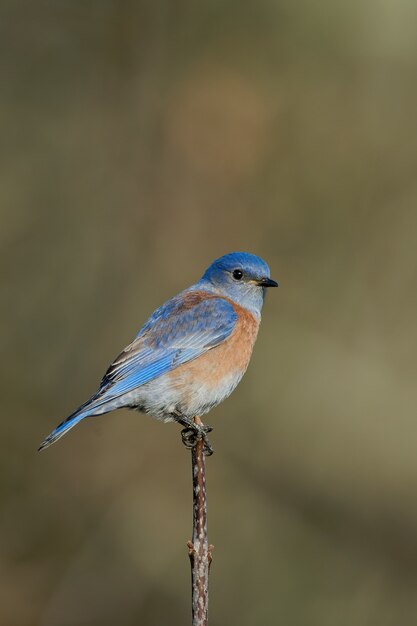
<point>179,331</point>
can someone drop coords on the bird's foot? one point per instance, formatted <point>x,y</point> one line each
<point>189,437</point>
<point>208,448</point>
<point>194,433</point>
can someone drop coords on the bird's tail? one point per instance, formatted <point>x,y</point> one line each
<point>85,410</point>
<point>61,430</point>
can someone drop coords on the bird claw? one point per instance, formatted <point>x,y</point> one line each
<point>208,448</point>
<point>192,434</point>
<point>189,438</point>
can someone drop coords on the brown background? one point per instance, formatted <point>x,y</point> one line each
<point>139,141</point>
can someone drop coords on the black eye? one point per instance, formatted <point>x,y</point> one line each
<point>237,274</point>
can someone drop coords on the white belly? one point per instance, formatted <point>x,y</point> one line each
<point>164,396</point>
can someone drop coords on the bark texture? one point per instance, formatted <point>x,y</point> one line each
<point>199,549</point>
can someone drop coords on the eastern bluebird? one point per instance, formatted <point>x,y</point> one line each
<point>190,354</point>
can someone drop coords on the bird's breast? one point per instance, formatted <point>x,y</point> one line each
<point>210,378</point>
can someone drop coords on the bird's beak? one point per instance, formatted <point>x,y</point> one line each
<point>267,282</point>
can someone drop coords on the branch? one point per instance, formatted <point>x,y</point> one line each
<point>199,549</point>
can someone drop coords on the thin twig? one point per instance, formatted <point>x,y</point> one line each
<point>199,550</point>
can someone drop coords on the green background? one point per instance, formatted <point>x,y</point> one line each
<point>139,141</point>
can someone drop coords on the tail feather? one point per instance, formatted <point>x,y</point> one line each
<point>62,429</point>
<point>85,410</point>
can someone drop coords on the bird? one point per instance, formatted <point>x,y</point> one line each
<point>190,354</point>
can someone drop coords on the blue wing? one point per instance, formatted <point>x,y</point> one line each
<point>179,331</point>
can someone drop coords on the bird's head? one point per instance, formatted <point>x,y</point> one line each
<point>240,276</point>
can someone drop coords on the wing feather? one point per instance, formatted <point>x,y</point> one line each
<point>179,331</point>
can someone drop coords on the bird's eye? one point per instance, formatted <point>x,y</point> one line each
<point>237,274</point>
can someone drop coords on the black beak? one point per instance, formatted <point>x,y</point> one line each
<point>267,282</point>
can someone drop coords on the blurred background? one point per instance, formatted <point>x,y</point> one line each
<point>139,141</point>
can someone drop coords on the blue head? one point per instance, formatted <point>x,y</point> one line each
<point>240,276</point>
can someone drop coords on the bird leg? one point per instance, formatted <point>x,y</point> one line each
<point>193,432</point>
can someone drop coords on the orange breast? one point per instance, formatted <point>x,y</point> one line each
<point>219,363</point>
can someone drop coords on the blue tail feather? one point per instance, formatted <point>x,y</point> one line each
<point>60,430</point>
<point>85,410</point>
